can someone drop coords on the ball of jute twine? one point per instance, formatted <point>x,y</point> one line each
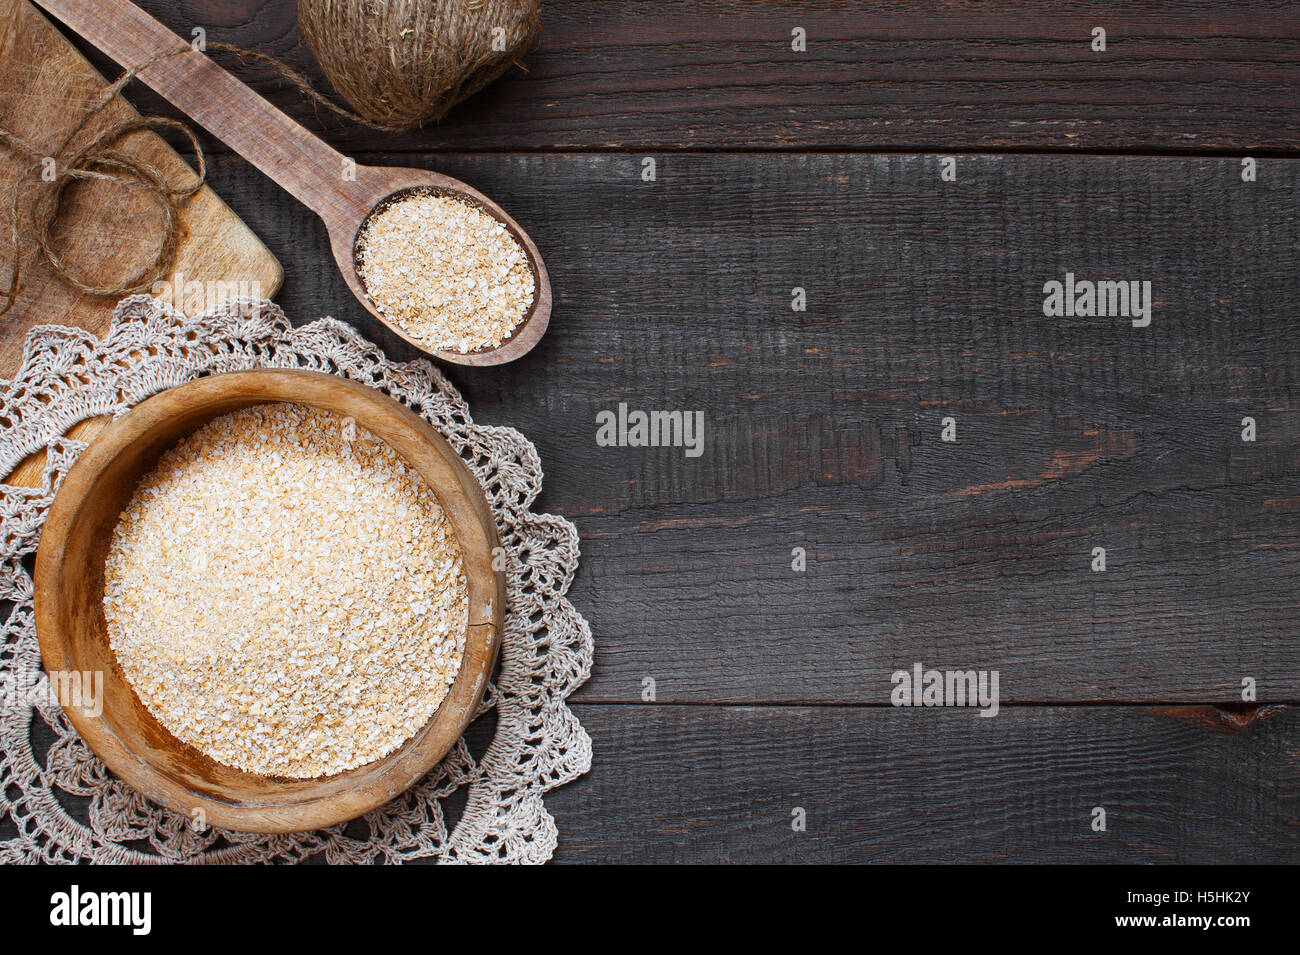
<point>403,63</point>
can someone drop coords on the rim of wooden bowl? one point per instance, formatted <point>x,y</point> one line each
<point>70,627</point>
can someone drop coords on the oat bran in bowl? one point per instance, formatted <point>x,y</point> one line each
<point>285,579</point>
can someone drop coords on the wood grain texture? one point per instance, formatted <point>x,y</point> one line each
<point>689,784</point>
<point>930,76</point>
<point>45,88</point>
<point>823,426</point>
<point>925,300</point>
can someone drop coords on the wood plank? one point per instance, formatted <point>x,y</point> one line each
<point>823,427</point>
<point>687,784</point>
<point>931,76</point>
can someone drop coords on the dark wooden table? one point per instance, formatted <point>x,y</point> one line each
<point>822,170</point>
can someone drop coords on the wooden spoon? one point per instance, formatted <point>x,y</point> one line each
<point>341,192</point>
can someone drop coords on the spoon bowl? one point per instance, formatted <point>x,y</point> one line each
<point>380,186</point>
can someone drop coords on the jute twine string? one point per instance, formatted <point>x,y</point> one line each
<point>457,72</point>
<point>99,160</point>
<point>303,85</point>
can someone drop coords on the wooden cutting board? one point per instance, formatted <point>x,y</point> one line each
<point>46,85</point>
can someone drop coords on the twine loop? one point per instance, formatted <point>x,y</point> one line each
<point>99,160</point>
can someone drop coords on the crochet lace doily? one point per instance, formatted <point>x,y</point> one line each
<point>60,804</point>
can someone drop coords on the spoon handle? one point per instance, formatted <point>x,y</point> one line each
<point>309,169</point>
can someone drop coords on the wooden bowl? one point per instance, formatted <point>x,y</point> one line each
<point>70,616</point>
